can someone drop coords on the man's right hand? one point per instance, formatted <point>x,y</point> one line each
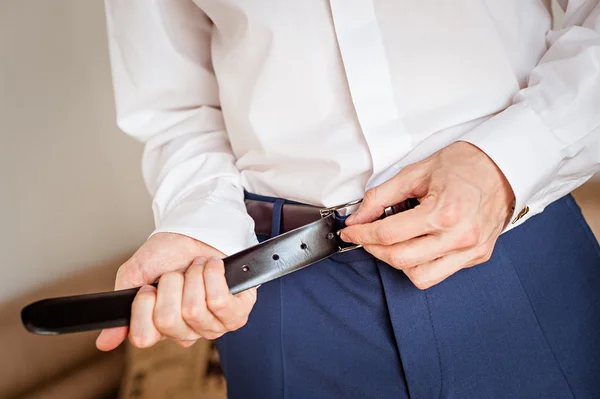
<point>192,300</point>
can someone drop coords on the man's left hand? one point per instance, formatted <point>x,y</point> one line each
<point>465,203</point>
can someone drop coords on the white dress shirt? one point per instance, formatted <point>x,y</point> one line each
<point>317,100</point>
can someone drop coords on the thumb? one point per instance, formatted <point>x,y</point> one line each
<point>129,275</point>
<point>410,182</point>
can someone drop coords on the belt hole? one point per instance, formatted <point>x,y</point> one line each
<point>245,268</point>
<point>303,246</point>
<point>275,257</point>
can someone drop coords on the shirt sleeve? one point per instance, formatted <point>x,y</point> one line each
<point>548,142</point>
<point>167,97</point>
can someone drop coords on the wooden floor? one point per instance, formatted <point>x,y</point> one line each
<point>167,371</point>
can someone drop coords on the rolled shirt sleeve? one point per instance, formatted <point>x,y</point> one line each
<point>167,97</point>
<point>548,142</point>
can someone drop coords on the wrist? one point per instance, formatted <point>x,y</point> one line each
<point>494,181</point>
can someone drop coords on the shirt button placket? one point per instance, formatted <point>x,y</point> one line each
<point>366,66</point>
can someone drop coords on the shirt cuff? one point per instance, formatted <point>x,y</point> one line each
<point>524,149</point>
<point>215,221</point>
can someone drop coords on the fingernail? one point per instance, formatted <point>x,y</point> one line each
<point>146,288</point>
<point>350,218</point>
<point>215,259</point>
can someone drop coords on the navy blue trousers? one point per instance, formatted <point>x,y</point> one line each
<point>526,324</point>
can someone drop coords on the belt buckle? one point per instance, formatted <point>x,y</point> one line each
<point>326,212</point>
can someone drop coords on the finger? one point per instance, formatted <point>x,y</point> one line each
<point>167,312</point>
<point>413,252</point>
<point>409,182</point>
<point>247,298</point>
<point>193,308</point>
<point>429,274</point>
<point>185,344</point>
<point>111,338</point>
<point>231,310</point>
<point>142,332</point>
<point>129,275</point>
<point>391,230</point>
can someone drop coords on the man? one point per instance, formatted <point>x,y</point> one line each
<point>475,108</point>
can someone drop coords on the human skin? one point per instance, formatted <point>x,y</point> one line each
<point>465,203</point>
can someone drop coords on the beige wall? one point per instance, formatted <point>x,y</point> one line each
<point>71,193</point>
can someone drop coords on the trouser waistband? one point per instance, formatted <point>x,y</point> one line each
<point>273,216</point>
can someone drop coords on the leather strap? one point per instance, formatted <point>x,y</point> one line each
<point>249,268</point>
<point>292,216</point>
<point>276,257</point>
<point>282,255</point>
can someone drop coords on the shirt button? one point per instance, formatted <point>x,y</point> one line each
<point>521,214</point>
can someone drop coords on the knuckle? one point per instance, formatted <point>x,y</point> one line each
<point>479,255</point>
<point>448,216</point>
<point>252,300</point>
<point>213,266</point>
<point>429,203</point>
<point>132,271</point>
<point>487,257</point>
<point>370,195</point>
<point>241,322</point>
<point>217,304</point>
<point>385,236</point>
<point>140,341</point>
<point>192,313</point>
<point>121,271</point>
<point>484,254</point>
<point>211,335</point>
<point>418,278</point>
<point>124,273</point>
<point>421,283</point>
<point>165,321</point>
<point>185,344</point>
<point>194,268</point>
<point>236,324</point>
<point>469,238</point>
<point>173,276</point>
<point>398,261</point>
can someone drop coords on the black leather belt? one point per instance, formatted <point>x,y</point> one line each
<point>299,246</point>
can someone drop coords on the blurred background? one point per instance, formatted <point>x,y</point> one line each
<point>73,206</point>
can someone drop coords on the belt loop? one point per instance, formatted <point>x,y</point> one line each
<point>276,218</point>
